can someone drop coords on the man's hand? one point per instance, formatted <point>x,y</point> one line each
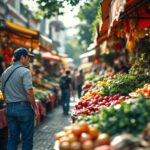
<point>31,99</point>
<point>37,115</point>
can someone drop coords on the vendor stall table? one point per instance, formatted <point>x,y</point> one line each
<point>3,120</point>
<point>42,110</point>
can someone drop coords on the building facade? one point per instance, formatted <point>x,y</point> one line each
<point>16,12</point>
<point>57,34</point>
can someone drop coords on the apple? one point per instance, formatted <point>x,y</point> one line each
<point>115,97</point>
<point>106,98</point>
<point>100,99</point>
<point>122,97</point>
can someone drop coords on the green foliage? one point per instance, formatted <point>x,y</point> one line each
<point>41,95</point>
<point>141,65</point>
<point>96,22</point>
<point>87,16</point>
<point>124,84</point>
<point>74,49</point>
<point>38,14</point>
<point>54,7</point>
<point>50,8</point>
<point>129,118</point>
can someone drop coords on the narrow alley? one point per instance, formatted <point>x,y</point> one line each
<point>74,74</point>
<point>44,136</point>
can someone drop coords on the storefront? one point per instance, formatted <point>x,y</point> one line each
<point>125,28</point>
<point>13,36</point>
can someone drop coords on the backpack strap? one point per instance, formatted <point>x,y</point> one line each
<point>3,88</point>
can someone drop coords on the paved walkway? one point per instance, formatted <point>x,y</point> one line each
<point>44,136</point>
<point>55,121</point>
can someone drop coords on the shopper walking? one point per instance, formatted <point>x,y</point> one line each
<point>66,90</point>
<point>19,97</point>
<point>79,82</point>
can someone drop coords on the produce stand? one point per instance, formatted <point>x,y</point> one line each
<point>42,110</point>
<point>116,104</point>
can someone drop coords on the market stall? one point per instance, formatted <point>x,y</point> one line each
<point>45,74</point>
<point>16,34</point>
<point>13,36</point>
<point>114,108</point>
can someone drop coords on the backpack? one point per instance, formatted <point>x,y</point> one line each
<point>63,83</point>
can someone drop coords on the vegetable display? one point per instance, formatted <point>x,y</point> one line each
<point>129,118</point>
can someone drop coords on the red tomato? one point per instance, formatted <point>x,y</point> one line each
<point>100,99</point>
<point>106,98</point>
<point>122,97</point>
<point>115,97</point>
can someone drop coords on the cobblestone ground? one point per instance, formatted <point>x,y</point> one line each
<point>44,136</point>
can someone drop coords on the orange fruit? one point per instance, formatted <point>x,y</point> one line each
<point>85,137</point>
<point>72,138</point>
<point>75,146</point>
<point>84,127</point>
<point>59,135</point>
<point>64,146</point>
<point>103,139</point>
<point>76,130</point>
<point>93,132</point>
<point>88,145</point>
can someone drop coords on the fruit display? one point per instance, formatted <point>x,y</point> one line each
<point>128,117</point>
<point>145,91</point>
<point>1,97</point>
<point>86,86</point>
<point>97,103</point>
<point>109,92</point>
<point>118,84</point>
<point>41,94</point>
<point>124,84</point>
<point>81,136</point>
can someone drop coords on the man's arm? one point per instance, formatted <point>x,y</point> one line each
<point>31,99</point>
<point>27,82</point>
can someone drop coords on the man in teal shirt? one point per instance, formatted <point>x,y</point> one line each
<point>20,100</point>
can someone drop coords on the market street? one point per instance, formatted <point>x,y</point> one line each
<point>44,136</point>
<point>74,74</point>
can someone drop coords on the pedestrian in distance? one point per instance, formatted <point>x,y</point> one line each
<point>66,91</point>
<point>73,80</point>
<point>19,97</point>
<point>79,82</point>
